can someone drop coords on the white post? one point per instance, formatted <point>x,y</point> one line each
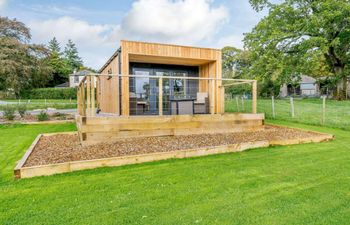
<point>292,107</point>
<point>273,107</point>
<point>323,110</point>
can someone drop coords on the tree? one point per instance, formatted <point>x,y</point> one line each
<point>301,36</point>
<point>54,46</point>
<point>20,63</point>
<point>235,62</point>
<point>72,57</point>
<point>60,66</point>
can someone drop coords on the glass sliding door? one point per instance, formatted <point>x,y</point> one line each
<point>143,93</point>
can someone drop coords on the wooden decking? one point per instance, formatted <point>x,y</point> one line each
<point>108,128</point>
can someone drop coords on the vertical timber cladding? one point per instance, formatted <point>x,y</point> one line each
<point>108,96</point>
<point>208,60</point>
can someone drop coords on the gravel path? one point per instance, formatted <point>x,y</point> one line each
<point>64,148</point>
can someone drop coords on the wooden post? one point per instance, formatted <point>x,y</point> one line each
<point>254,96</point>
<point>88,95</point>
<point>160,96</point>
<point>92,110</point>
<point>323,110</point>
<point>83,99</point>
<point>273,107</point>
<point>292,107</point>
<point>98,92</point>
<point>78,100</point>
<point>212,99</point>
<point>222,93</point>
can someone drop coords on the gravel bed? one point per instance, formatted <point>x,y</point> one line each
<point>64,147</point>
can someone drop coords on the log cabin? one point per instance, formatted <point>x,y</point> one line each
<point>152,89</point>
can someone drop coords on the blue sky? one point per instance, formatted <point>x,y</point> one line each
<point>97,26</point>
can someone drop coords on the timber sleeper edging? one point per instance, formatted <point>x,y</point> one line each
<point>56,168</point>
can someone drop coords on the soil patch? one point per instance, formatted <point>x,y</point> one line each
<point>65,148</point>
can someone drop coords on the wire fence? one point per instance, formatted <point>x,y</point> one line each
<point>319,111</point>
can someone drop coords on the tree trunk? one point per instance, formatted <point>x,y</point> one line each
<point>342,85</point>
<point>345,86</point>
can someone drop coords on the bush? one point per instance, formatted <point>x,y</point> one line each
<point>9,112</point>
<point>22,109</point>
<point>60,116</point>
<point>50,93</point>
<point>43,116</point>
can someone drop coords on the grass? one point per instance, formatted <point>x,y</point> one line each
<point>41,104</point>
<point>301,184</point>
<point>307,111</point>
<point>43,100</point>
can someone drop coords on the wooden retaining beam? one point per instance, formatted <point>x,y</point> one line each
<point>102,129</point>
<point>45,170</point>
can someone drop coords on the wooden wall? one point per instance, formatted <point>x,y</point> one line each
<point>108,90</point>
<point>208,61</point>
<point>97,129</point>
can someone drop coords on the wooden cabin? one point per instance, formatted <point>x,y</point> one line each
<point>152,89</point>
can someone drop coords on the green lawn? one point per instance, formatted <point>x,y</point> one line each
<point>301,184</point>
<point>308,111</point>
<point>41,104</point>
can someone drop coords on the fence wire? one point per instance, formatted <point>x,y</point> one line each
<point>316,111</point>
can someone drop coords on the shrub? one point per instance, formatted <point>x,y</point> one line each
<point>50,93</point>
<point>60,116</point>
<point>43,116</point>
<point>22,109</point>
<point>9,112</point>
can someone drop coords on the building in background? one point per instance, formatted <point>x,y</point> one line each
<point>75,78</point>
<point>307,86</point>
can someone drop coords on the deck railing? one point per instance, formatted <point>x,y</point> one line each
<point>90,91</point>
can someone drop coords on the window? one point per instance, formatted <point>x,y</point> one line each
<point>76,79</point>
<point>307,86</point>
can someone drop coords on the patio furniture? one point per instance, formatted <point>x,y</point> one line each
<point>201,105</point>
<point>182,106</point>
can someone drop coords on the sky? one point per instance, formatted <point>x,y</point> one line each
<point>96,26</point>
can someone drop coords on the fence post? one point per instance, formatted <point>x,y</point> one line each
<point>93,96</point>
<point>254,96</point>
<point>88,95</point>
<point>237,104</point>
<point>292,107</point>
<point>323,110</point>
<point>243,108</point>
<point>273,107</point>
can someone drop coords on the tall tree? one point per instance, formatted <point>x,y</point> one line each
<point>54,46</point>
<point>72,56</point>
<point>60,66</point>
<point>301,36</point>
<point>20,62</point>
<point>235,62</point>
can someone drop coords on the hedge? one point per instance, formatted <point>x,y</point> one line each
<point>50,93</point>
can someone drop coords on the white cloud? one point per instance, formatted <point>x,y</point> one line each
<point>91,40</point>
<point>3,3</point>
<point>179,21</point>
<point>173,21</point>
